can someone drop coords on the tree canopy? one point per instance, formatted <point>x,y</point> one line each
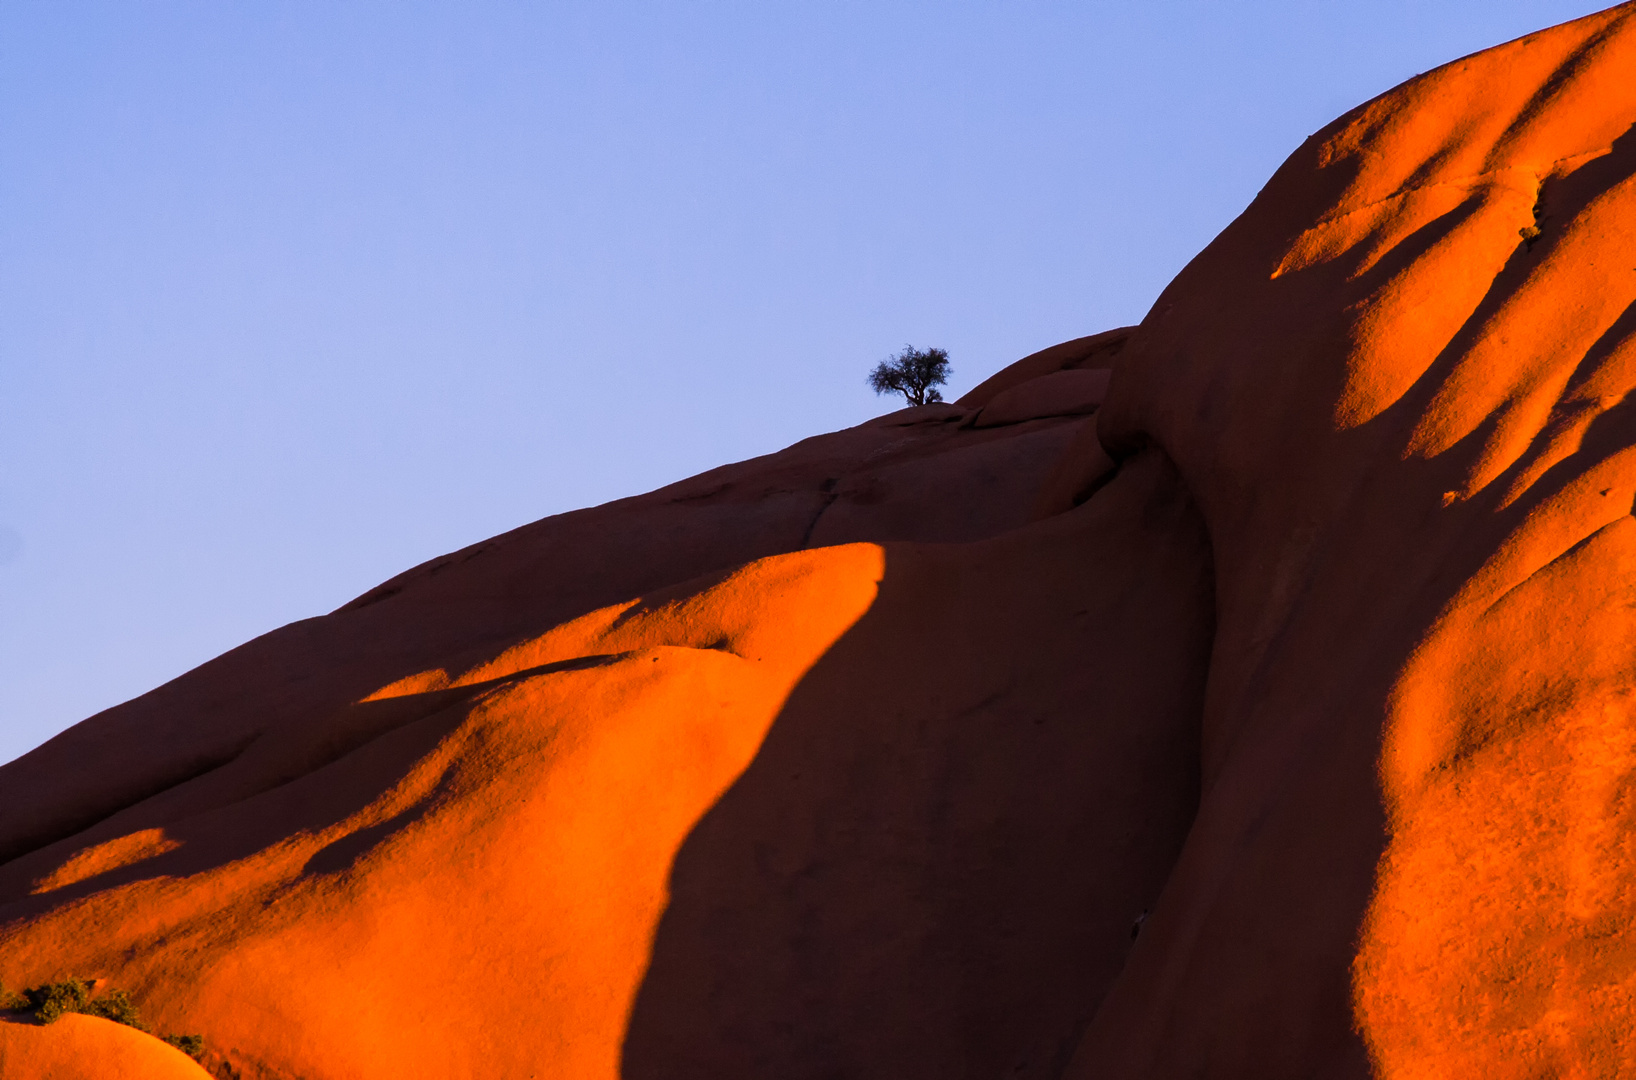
<point>912,373</point>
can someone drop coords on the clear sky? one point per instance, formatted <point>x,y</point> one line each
<point>296,295</point>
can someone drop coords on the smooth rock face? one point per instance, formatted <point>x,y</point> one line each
<point>1273,721</point>
<point>1096,351</point>
<point>1405,416</point>
<point>1061,393</point>
<point>932,867</point>
<point>90,1048</point>
<point>431,833</point>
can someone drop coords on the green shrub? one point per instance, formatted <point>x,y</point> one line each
<point>191,1045</point>
<point>11,1000</point>
<point>115,1006</point>
<point>51,1001</point>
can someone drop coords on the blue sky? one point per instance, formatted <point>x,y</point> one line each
<point>296,295</point>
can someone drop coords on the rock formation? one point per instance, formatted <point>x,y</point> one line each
<point>1264,710</point>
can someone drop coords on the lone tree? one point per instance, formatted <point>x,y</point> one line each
<point>912,373</point>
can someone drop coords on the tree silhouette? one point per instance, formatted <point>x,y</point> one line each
<point>912,373</point>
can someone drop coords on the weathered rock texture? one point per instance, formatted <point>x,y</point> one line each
<point>1274,720</point>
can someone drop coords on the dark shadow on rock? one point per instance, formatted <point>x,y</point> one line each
<point>932,866</point>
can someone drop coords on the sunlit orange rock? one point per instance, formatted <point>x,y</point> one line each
<point>1398,388</point>
<point>491,818</point>
<point>1273,720</point>
<point>90,1048</point>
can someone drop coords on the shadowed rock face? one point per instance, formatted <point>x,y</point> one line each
<point>1309,656</point>
<point>933,865</point>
